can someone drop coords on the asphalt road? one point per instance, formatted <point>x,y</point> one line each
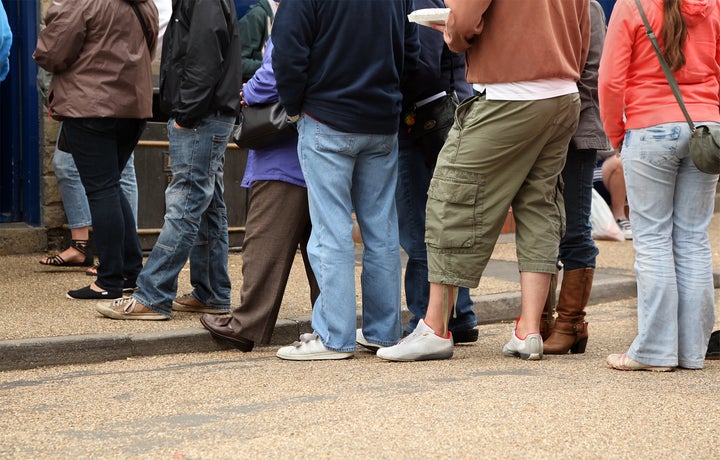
<point>479,404</point>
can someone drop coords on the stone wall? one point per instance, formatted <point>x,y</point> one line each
<point>53,214</point>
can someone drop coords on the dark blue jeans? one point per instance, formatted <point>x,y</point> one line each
<point>577,247</point>
<point>196,224</point>
<point>410,197</point>
<point>100,148</point>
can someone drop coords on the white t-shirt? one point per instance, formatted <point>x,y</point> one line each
<point>527,90</point>
<point>164,8</point>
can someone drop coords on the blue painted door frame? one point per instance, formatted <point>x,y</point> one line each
<point>20,149</point>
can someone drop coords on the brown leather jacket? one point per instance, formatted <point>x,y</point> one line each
<point>99,58</point>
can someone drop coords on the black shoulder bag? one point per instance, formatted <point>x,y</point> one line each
<point>146,32</point>
<point>431,122</point>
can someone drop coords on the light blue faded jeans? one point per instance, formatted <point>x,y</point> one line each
<point>72,192</point>
<point>671,203</point>
<point>196,223</point>
<point>346,172</point>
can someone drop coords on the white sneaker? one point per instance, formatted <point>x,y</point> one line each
<point>625,228</point>
<point>310,348</point>
<point>531,348</point>
<point>421,345</point>
<point>360,340</point>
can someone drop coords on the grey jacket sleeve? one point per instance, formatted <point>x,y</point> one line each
<point>590,133</point>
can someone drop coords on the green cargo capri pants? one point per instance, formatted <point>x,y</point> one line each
<point>499,154</point>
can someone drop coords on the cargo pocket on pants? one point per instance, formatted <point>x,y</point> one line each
<point>450,221</point>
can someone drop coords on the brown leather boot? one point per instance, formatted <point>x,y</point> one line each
<point>570,331</point>
<point>547,319</point>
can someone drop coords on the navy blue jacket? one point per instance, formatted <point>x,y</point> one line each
<point>341,62</point>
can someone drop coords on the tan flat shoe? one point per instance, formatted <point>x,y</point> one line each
<point>623,362</point>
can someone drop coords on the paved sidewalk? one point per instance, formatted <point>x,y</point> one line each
<point>40,327</point>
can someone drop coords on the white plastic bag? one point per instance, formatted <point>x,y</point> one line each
<point>603,223</point>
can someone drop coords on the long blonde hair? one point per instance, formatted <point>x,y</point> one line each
<point>674,33</point>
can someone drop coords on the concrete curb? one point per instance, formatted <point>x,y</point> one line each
<point>83,349</point>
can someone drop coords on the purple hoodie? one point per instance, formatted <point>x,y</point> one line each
<point>279,161</point>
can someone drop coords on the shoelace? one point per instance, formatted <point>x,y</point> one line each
<point>130,301</point>
<point>411,335</point>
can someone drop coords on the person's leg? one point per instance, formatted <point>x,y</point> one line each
<point>614,182</point>
<point>209,255</point>
<point>309,274</point>
<point>331,247</point>
<point>411,198</point>
<point>539,207</point>
<point>524,164</point>
<point>128,185</point>
<point>577,247</point>
<point>133,251</point>
<point>373,195</point>
<point>194,158</point>
<point>650,164</point>
<point>577,254</point>
<point>468,200</point>
<point>100,148</point>
<point>276,223</point>
<point>71,189</point>
<point>76,210</point>
<point>692,212</point>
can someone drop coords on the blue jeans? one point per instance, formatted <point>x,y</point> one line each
<point>72,192</point>
<point>346,171</point>
<point>577,247</point>
<point>410,197</point>
<point>101,148</point>
<point>195,220</point>
<point>671,204</point>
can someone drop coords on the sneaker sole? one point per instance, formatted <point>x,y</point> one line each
<point>370,346</point>
<point>314,356</point>
<point>110,313</point>
<point>185,308</point>
<point>93,298</point>
<point>646,369</point>
<point>466,336</point>
<point>431,357</point>
<point>525,356</point>
<point>619,367</point>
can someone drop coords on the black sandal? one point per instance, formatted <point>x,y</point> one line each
<point>81,246</point>
<point>92,271</point>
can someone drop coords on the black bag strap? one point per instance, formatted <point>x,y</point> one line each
<point>144,26</point>
<point>447,51</point>
<point>666,68</point>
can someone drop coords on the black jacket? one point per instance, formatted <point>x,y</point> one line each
<point>433,71</point>
<point>201,69</point>
<point>254,33</point>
